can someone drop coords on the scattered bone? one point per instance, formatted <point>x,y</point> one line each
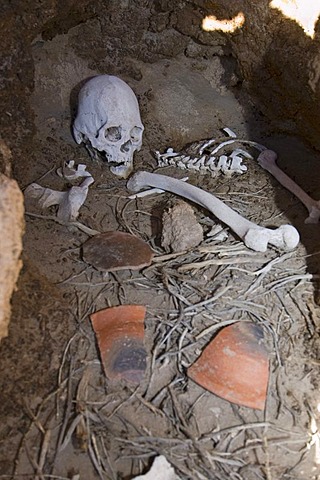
<point>69,202</point>
<point>203,164</point>
<point>267,160</point>
<point>146,193</point>
<point>218,233</point>
<point>255,237</point>
<point>108,120</point>
<point>71,172</point>
<point>180,229</point>
<point>229,132</point>
<point>160,470</point>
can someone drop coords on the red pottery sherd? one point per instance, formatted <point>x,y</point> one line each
<point>120,334</point>
<point>112,251</point>
<point>235,365</point>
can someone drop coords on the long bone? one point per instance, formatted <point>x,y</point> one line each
<point>255,237</point>
<point>267,160</point>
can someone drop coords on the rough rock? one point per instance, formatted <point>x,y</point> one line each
<point>185,104</point>
<point>278,61</point>
<point>180,229</point>
<point>11,227</point>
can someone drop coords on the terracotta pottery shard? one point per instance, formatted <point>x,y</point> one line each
<point>120,335</point>
<point>111,251</point>
<point>235,365</point>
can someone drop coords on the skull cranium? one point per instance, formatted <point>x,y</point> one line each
<point>108,120</point>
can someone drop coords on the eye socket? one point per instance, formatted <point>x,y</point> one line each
<point>113,134</point>
<point>135,134</point>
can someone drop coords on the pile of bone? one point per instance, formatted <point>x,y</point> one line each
<point>214,156</point>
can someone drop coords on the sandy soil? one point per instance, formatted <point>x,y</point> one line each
<point>60,417</point>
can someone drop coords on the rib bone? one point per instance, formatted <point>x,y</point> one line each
<point>267,160</point>
<point>255,237</point>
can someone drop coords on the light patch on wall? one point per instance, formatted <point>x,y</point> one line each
<point>211,23</point>
<point>304,12</point>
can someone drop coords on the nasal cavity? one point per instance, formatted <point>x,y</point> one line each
<point>126,147</point>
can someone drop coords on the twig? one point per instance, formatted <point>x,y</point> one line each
<point>215,327</point>
<point>235,428</point>
<point>204,303</point>
<point>217,261</point>
<point>67,410</point>
<point>291,278</point>
<point>95,456</point>
<point>44,448</point>
<point>52,218</point>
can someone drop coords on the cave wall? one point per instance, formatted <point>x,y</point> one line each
<point>20,22</point>
<point>278,63</point>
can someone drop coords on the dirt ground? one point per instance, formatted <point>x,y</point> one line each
<point>60,417</point>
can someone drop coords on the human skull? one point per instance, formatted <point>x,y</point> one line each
<point>108,120</point>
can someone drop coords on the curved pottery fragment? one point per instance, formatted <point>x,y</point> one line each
<point>120,334</point>
<point>112,251</point>
<point>235,365</point>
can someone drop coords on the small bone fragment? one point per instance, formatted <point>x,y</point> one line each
<point>163,158</point>
<point>256,145</point>
<point>46,197</point>
<point>206,145</point>
<point>223,144</point>
<point>68,210</point>
<point>160,470</point>
<point>193,163</point>
<point>229,132</point>
<point>199,165</point>
<point>181,165</point>
<point>146,193</point>
<point>69,172</point>
<point>255,237</point>
<point>267,160</point>
<point>240,151</point>
<point>218,233</point>
<point>223,164</point>
<point>169,153</point>
<point>69,202</point>
<point>180,229</point>
<point>211,162</point>
<point>236,165</point>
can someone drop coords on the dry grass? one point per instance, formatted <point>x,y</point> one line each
<point>121,429</point>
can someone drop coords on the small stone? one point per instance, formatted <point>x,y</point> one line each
<point>180,230</point>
